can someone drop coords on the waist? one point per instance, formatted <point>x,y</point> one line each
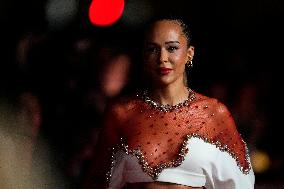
<point>158,185</point>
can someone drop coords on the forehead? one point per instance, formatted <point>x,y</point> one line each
<point>165,29</point>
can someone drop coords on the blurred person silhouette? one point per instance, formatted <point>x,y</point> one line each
<point>41,96</point>
<point>24,163</point>
<point>109,77</point>
<point>26,159</point>
<point>23,98</point>
<point>111,71</point>
<point>166,135</point>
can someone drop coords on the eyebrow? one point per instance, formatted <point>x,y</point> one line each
<point>171,42</point>
<point>167,42</point>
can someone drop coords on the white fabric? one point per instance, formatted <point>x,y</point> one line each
<point>204,165</point>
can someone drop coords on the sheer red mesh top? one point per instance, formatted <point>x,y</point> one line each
<point>158,138</point>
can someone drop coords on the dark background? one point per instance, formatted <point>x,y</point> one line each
<point>238,44</point>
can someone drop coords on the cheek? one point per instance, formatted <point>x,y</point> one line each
<point>150,62</point>
<point>178,59</point>
<point>150,59</point>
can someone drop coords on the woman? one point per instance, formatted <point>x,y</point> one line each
<point>169,136</point>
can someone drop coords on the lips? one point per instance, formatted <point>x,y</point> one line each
<point>164,71</point>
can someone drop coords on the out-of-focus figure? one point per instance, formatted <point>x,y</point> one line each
<point>109,76</point>
<point>20,166</point>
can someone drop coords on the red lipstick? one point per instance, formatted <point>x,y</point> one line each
<point>164,71</point>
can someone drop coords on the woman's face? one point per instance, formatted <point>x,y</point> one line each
<point>166,53</point>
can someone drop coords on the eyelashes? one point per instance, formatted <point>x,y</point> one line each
<point>172,48</point>
<point>152,50</point>
<point>155,50</point>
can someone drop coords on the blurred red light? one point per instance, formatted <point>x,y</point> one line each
<point>105,12</point>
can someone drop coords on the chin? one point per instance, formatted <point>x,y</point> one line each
<point>163,82</point>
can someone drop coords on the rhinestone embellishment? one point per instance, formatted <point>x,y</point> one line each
<point>167,107</point>
<point>156,171</point>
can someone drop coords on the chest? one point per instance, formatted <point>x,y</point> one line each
<point>160,135</point>
<point>155,126</point>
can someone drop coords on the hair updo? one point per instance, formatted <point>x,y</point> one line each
<point>184,27</point>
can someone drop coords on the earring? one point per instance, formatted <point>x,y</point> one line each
<point>189,64</point>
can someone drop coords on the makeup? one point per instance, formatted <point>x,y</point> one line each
<point>164,71</point>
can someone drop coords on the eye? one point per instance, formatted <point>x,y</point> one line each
<point>172,48</point>
<point>152,49</point>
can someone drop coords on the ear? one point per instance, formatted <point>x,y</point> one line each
<point>190,53</point>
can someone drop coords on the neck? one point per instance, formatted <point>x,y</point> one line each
<point>170,94</point>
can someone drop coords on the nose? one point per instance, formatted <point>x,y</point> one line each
<point>163,56</point>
